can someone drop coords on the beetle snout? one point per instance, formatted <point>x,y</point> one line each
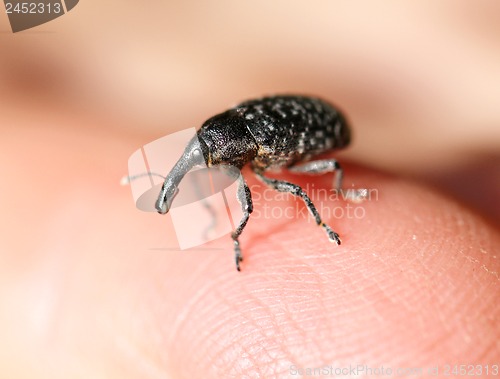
<point>162,206</point>
<point>165,200</point>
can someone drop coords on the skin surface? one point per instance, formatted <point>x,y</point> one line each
<point>90,287</point>
<point>85,292</point>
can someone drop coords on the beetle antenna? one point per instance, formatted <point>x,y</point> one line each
<point>127,179</point>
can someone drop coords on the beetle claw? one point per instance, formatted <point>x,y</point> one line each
<point>332,236</point>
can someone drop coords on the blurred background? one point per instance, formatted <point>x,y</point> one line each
<point>420,81</point>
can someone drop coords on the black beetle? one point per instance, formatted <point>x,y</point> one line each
<point>269,133</point>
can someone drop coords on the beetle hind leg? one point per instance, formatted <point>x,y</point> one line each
<point>294,189</point>
<point>321,167</point>
<point>245,199</point>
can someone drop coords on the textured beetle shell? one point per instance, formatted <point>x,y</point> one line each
<point>277,131</point>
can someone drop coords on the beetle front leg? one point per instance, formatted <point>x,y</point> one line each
<point>244,197</point>
<point>294,189</point>
<point>321,167</point>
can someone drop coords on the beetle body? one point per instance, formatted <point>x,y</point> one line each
<point>270,133</point>
<point>274,132</point>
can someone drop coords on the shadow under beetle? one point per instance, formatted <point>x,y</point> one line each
<point>269,133</point>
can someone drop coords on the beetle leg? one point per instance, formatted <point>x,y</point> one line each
<point>321,167</point>
<point>294,189</point>
<point>244,197</point>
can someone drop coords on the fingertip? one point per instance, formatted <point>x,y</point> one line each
<point>396,284</point>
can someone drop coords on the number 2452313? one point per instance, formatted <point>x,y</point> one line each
<point>33,8</point>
